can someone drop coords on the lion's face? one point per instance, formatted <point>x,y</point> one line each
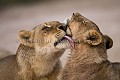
<point>48,37</point>
<point>86,31</point>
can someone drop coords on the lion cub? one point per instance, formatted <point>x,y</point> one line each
<point>38,56</point>
<point>89,60</point>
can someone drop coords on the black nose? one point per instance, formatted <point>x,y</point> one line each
<point>64,28</point>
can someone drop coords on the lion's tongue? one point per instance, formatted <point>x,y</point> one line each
<point>70,41</point>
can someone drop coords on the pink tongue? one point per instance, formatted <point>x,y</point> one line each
<point>70,41</point>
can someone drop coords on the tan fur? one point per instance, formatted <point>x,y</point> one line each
<point>37,58</point>
<point>88,60</point>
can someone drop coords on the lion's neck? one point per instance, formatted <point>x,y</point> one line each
<point>28,60</point>
<point>86,57</point>
<point>85,62</point>
<point>87,54</point>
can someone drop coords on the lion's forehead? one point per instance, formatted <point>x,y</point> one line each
<point>82,22</point>
<point>52,24</point>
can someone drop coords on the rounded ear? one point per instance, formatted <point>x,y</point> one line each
<point>108,41</point>
<point>93,37</point>
<point>26,38</point>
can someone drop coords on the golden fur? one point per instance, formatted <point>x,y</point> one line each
<point>38,57</point>
<point>88,60</point>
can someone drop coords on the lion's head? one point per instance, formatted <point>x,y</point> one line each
<point>86,30</point>
<point>47,38</point>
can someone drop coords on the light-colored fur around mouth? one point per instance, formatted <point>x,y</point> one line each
<point>63,44</point>
<point>36,58</point>
<point>88,60</point>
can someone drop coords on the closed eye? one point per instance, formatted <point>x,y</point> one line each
<point>46,28</point>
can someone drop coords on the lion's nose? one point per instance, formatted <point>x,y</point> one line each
<point>64,28</point>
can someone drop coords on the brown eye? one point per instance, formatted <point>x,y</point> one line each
<point>46,28</point>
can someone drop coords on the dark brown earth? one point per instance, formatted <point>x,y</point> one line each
<point>106,14</point>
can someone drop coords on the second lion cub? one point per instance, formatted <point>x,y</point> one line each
<point>37,57</point>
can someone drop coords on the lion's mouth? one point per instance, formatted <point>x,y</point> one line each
<point>64,39</point>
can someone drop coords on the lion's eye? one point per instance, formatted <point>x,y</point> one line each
<point>46,28</point>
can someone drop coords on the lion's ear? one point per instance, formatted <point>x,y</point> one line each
<point>26,38</point>
<point>108,41</point>
<point>92,37</point>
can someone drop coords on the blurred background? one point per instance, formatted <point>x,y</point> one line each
<point>16,15</point>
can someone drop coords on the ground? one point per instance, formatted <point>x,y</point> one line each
<point>106,14</point>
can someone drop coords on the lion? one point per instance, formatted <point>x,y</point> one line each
<point>39,52</point>
<point>89,60</point>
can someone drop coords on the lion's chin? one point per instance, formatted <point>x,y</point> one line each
<point>63,45</point>
<point>65,42</point>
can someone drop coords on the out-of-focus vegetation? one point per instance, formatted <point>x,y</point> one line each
<point>14,2</point>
